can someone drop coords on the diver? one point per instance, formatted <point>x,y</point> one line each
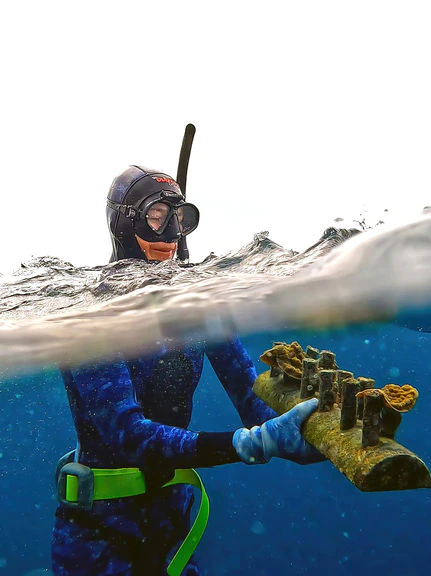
<point>132,418</point>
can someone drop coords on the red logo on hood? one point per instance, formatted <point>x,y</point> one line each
<point>165,180</point>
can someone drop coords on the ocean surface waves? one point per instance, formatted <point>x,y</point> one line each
<point>53,312</point>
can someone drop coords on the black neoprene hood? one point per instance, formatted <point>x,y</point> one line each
<point>130,193</point>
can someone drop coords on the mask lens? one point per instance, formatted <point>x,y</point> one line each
<point>156,216</point>
<point>188,218</point>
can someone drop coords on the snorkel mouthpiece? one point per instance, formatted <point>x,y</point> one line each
<point>158,251</point>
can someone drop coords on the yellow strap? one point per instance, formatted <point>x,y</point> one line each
<point>124,482</point>
<point>110,483</point>
<point>179,561</point>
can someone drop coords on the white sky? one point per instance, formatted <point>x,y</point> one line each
<point>305,111</point>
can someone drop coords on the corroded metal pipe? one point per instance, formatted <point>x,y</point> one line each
<point>327,390</point>
<point>348,415</point>
<point>310,378</point>
<point>380,465</point>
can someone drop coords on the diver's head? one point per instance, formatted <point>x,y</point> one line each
<point>147,215</point>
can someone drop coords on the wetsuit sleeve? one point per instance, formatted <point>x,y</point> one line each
<point>236,372</point>
<point>114,432</point>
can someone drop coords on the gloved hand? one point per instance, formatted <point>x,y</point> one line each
<point>280,437</point>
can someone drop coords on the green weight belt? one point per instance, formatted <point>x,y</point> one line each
<point>123,482</point>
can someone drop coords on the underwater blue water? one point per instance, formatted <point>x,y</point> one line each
<point>280,518</point>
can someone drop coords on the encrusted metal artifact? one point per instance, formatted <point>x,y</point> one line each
<point>355,423</point>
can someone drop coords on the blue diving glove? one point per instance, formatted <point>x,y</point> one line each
<point>280,437</point>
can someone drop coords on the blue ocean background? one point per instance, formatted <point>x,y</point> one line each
<point>279,518</point>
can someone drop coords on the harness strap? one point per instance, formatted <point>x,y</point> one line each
<point>79,486</point>
<point>128,211</point>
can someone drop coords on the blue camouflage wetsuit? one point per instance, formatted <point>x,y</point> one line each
<point>136,414</point>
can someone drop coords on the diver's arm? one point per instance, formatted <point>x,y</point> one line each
<point>236,372</point>
<point>115,433</point>
<point>103,401</point>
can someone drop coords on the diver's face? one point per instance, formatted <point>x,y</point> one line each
<point>157,251</point>
<point>160,226</point>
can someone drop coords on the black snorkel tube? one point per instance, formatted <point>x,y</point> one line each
<point>183,164</point>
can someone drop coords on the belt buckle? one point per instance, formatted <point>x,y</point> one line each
<point>85,478</point>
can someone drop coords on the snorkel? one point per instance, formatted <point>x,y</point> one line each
<point>183,164</point>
